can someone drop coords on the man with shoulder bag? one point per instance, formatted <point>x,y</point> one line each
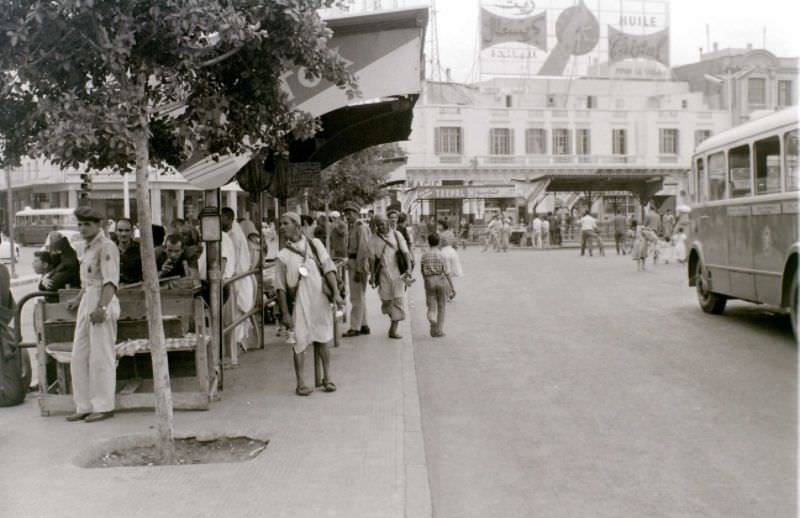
<point>305,281</point>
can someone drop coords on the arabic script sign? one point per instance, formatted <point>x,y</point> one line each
<point>622,46</point>
<point>466,192</point>
<point>530,30</point>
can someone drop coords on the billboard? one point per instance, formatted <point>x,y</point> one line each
<point>601,38</point>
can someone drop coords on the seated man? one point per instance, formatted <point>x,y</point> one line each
<point>171,262</point>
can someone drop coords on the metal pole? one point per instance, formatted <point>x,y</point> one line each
<point>10,218</point>
<point>260,275</point>
<point>212,199</point>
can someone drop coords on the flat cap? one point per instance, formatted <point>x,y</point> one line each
<point>89,214</point>
<point>351,205</point>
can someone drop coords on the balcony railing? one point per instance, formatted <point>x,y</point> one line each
<point>534,160</point>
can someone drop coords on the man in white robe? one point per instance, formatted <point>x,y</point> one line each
<point>244,288</point>
<point>302,271</point>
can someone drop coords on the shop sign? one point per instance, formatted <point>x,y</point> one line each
<point>622,45</point>
<point>466,192</point>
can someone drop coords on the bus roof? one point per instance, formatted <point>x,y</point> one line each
<point>45,212</point>
<point>785,117</point>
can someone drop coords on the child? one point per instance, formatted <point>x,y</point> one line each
<point>437,284</point>
<point>642,241</point>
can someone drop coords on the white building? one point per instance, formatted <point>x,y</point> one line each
<point>583,134</point>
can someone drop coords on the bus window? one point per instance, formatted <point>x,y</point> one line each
<point>768,165</point>
<point>739,169</point>
<point>698,184</point>
<point>716,176</point>
<point>790,161</point>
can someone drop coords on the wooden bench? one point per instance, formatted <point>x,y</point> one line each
<point>185,330</point>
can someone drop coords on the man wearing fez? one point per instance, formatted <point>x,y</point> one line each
<point>302,269</point>
<point>357,269</point>
<point>93,368</point>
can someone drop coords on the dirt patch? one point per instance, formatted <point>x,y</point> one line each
<point>188,450</point>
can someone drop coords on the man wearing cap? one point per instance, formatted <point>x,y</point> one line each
<point>338,236</point>
<point>357,269</point>
<point>93,364</point>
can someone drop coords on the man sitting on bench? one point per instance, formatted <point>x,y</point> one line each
<point>171,261</point>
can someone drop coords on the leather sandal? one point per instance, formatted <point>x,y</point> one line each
<point>328,386</point>
<point>351,333</point>
<point>302,391</point>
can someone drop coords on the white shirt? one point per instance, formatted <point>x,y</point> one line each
<point>587,222</point>
<point>537,224</point>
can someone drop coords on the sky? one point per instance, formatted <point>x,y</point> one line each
<point>732,23</point>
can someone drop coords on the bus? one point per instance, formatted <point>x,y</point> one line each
<point>32,226</point>
<point>743,231</point>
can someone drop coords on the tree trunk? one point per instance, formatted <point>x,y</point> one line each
<point>152,294</point>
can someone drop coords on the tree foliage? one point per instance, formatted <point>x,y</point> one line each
<point>358,177</point>
<point>81,78</point>
<point>127,84</point>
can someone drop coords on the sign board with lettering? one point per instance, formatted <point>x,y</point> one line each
<point>628,38</point>
<point>301,176</point>
<point>475,192</point>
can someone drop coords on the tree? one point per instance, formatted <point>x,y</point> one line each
<point>132,84</point>
<point>358,177</point>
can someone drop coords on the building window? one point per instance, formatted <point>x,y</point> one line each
<point>536,141</point>
<point>448,141</point>
<point>583,142</point>
<point>620,104</point>
<point>784,93</point>
<point>561,143</point>
<point>701,135</point>
<point>501,141</point>
<point>756,91</point>
<point>684,103</point>
<point>668,141</point>
<point>619,144</point>
<point>591,101</point>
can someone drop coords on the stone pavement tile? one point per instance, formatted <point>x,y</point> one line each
<point>338,454</point>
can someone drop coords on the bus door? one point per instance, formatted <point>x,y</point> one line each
<point>712,222</point>
<point>770,239</point>
<point>739,227</point>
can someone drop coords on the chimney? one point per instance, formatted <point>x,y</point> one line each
<point>716,47</point>
<point>749,46</point>
<point>447,75</point>
<point>701,52</point>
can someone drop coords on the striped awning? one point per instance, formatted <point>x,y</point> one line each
<point>383,49</point>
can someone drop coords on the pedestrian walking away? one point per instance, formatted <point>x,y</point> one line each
<point>304,274</point>
<point>93,364</point>
<point>386,276</point>
<point>437,285</point>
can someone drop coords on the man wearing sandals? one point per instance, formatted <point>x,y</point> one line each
<point>302,268</point>
<point>385,272</point>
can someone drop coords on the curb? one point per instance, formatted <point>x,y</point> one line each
<point>24,281</point>
<point>417,491</point>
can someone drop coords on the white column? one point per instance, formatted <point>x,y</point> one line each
<point>179,198</point>
<point>155,204</point>
<point>73,199</point>
<point>126,196</point>
<point>231,201</point>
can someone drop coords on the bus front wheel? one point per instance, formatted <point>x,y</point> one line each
<point>709,301</point>
<point>793,304</point>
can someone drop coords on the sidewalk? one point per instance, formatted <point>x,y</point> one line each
<point>357,452</point>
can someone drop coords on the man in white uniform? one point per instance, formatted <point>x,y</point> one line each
<point>244,288</point>
<point>93,365</point>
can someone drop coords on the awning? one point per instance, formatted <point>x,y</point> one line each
<point>385,52</point>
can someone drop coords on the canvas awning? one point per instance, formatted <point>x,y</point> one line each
<point>385,52</point>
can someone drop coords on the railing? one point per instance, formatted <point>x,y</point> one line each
<point>521,160</point>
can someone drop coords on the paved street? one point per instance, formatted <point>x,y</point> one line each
<point>575,386</point>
